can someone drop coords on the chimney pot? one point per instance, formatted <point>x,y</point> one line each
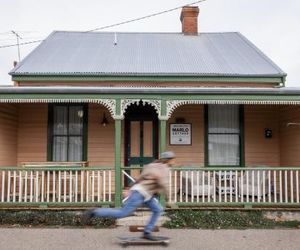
<point>189,20</point>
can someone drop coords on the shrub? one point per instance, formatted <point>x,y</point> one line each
<point>50,218</point>
<point>220,219</point>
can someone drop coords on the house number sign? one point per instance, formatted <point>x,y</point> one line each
<point>180,134</point>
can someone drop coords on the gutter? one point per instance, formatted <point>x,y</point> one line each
<point>149,90</point>
<point>276,79</point>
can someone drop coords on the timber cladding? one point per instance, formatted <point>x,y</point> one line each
<point>101,140</point>
<point>261,151</point>
<point>290,136</point>
<point>189,155</point>
<point>32,132</point>
<point>8,134</point>
<point>23,135</point>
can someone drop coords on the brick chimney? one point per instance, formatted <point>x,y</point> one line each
<point>189,20</point>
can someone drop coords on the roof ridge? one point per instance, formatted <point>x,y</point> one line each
<point>138,32</point>
<point>262,54</point>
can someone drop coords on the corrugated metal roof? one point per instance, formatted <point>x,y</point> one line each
<point>139,54</point>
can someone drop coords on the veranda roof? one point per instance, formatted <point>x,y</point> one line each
<point>198,95</point>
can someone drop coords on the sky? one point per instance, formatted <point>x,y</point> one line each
<point>272,25</point>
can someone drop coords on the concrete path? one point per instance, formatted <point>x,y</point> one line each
<point>90,239</point>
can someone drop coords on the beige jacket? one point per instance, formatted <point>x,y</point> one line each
<point>154,179</point>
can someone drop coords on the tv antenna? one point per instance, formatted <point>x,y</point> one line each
<point>18,43</point>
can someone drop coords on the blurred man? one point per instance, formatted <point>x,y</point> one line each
<point>153,180</point>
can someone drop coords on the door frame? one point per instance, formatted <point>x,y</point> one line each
<point>149,114</point>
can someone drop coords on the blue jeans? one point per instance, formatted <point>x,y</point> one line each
<point>134,201</point>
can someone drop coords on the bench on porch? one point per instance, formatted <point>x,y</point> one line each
<point>39,185</point>
<point>193,186</point>
<point>44,164</point>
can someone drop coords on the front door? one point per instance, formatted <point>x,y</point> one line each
<point>141,132</point>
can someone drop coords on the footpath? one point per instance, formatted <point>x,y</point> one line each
<point>186,239</point>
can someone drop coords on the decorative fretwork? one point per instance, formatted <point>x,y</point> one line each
<point>110,104</point>
<point>125,103</point>
<point>173,104</point>
<point>154,103</point>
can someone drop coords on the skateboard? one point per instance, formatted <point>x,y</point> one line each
<point>138,240</point>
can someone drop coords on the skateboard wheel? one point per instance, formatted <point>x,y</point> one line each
<point>165,244</point>
<point>125,244</point>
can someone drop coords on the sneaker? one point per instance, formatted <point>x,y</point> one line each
<point>149,236</point>
<point>87,215</point>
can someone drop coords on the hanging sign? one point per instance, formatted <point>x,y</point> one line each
<point>180,134</point>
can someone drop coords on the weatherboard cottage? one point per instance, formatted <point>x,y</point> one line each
<point>89,109</point>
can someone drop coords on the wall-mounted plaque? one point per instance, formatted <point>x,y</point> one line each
<point>180,134</point>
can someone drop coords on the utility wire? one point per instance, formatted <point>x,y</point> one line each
<point>29,38</point>
<point>18,43</point>
<point>24,43</point>
<point>114,25</point>
<point>145,17</point>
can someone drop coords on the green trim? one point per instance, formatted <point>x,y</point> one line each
<point>182,168</point>
<point>60,204</point>
<point>244,205</point>
<point>241,137</point>
<point>58,168</point>
<point>82,78</point>
<point>163,127</point>
<point>118,171</point>
<point>141,159</point>
<point>187,96</point>
<point>50,133</point>
<point>163,140</point>
<point>162,148</point>
<point>131,167</point>
<point>226,168</point>
<point>85,131</point>
<point>118,105</point>
<point>162,135</point>
<point>206,135</point>
<point>50,129</point>
<point>230,204</point>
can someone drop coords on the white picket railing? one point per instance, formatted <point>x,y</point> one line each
<point>188,186</point>
<point>64,185</point>
<point>258,186</point>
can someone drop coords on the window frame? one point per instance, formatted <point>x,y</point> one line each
<point>241,138</point>
<point>51,126</point>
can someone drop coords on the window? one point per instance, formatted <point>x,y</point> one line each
<point>67,132</point>
<point>223,128</point>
